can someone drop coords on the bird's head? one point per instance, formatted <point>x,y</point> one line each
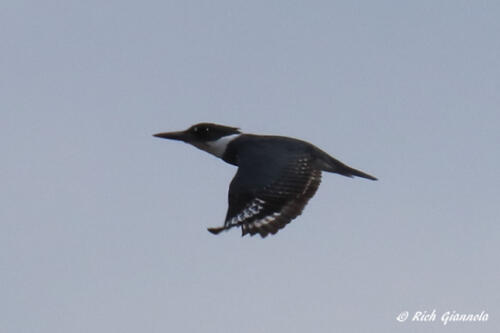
<point>212,138</point>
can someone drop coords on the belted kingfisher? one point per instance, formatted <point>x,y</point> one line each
<point>276,175</point>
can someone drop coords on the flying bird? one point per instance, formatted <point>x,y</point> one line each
<point>276,175</point>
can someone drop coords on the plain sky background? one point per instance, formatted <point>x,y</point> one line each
<point>103,227</point>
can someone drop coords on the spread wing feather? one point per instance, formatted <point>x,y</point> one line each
<point>262,203</point>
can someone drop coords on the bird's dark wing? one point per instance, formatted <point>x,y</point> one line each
<point>264,197</point>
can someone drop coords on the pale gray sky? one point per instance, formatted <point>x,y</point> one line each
<point>103,227</point>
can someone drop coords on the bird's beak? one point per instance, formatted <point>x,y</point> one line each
<point>180,136</point>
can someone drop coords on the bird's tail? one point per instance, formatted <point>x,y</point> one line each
<point>350,172</point>
<point>330,164</point>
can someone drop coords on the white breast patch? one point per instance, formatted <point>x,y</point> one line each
<point>218,147</point>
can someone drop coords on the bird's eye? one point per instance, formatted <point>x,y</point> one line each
<point>195,129</point>
<point>207,129</point>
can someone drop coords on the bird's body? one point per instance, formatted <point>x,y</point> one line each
<point>276,175</point>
